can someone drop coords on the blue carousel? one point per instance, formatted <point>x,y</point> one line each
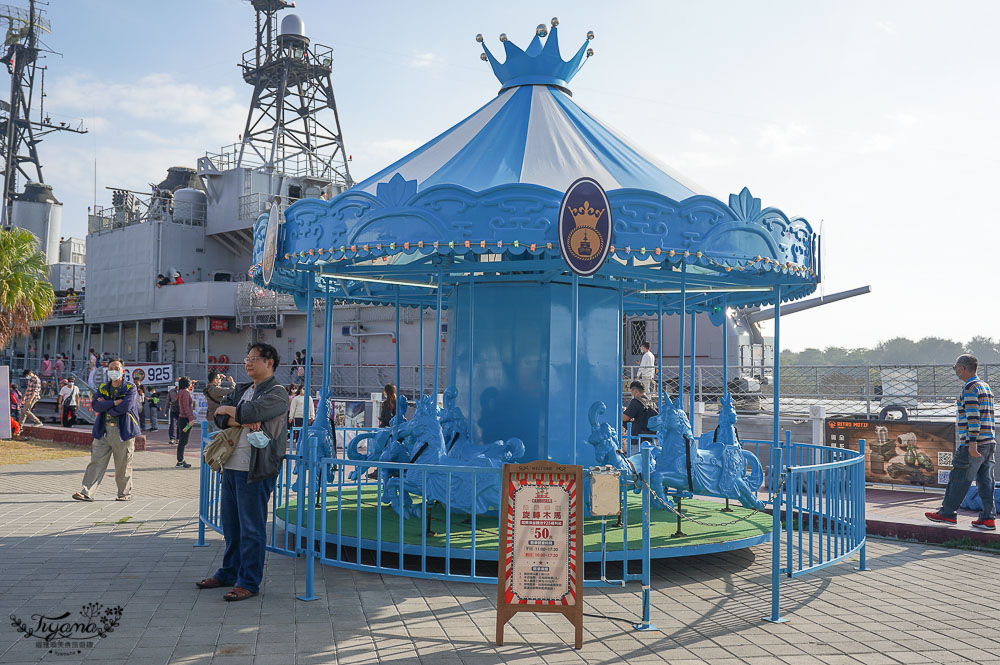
<point>536,228</point>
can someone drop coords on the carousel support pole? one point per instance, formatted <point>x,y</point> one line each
<point>680,337</point>
<point>694,320</point>
<point>437,332</point>
<point>779,468</point>
<point>725,367</point>
<point>725,346</point>
<point>776,365</point>
<point>453,323</point>
<point>310,457</point>
<point>327,352</point>
<point>399,387</point>
<point>647,583</point>
<point>659,353</point>
<point>575,346</point>
<point>472,341</point>
<point>420,354</point>
<point>621,352</point>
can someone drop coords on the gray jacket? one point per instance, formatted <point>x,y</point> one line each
<point>269,407</point>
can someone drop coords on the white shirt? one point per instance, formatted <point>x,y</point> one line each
<point>646,365</point>
<point>68,395</point>
<point>298,407</point>
<point>240,459</point>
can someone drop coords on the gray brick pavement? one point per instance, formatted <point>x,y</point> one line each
<point>56,554</point>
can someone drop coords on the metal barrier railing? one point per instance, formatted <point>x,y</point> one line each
<point>819,506</point>
<point>328,509</point>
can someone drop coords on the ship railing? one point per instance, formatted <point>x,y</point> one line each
<point>296,165</point>
<point>142,210</point>
<point>347,382</point>
<point>255,204</point>
<point>67,307</point>
<point>925,391</point>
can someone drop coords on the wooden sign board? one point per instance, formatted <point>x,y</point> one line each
<point>541,542</point>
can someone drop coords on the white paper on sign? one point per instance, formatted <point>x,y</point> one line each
<point>541,543</point>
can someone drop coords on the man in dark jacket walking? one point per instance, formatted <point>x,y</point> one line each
<point>115,429</point>
<point>260,408</point>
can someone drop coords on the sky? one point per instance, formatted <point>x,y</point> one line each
<point>875,121</point>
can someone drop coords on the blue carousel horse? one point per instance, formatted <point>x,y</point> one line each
<point>422,440</point>
<point>720,470</point>
<point>608,452</point>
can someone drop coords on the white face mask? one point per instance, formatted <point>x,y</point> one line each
<point>114,374</point>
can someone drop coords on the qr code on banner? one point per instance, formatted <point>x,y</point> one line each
<point>943,477</point>
<point>945,459</point>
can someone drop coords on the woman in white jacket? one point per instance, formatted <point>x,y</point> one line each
<point>296,412</point>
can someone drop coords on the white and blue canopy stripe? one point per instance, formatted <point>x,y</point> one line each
<point>533,134</point>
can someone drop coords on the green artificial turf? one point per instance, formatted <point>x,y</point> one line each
<point>737,525</point>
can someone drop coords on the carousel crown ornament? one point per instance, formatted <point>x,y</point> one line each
<point>540,63</point>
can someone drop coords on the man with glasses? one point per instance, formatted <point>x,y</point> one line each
<point>260,408</point>
<point>974,458</point>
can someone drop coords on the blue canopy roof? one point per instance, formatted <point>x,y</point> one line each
<point>493,183</point>
<point>533,134</point>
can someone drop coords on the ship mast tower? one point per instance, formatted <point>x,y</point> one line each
<point>19,134</point>
<point>293,128</point>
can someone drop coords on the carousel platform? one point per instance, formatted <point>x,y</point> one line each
<point>714,531</point>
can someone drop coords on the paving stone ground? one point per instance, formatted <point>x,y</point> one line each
<point>918,604</point>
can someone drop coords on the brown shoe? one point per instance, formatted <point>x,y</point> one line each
<point>239,593</point>
<point>209,583</point>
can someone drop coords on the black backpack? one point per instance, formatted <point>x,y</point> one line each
<point>651,412</point>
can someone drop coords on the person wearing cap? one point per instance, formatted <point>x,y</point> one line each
<point>177,278</point>
<point>68,400</point>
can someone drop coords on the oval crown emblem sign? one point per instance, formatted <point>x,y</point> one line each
<point>270,254</point>
<point>585,227</point>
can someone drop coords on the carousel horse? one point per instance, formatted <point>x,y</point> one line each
<point>719,471</point>
<point>736,460</point>
<point>422,440</point>
<point>608,452</point>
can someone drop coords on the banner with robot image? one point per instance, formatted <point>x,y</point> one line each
<point>899,453</point>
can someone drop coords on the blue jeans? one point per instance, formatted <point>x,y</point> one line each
<point>966,469</point>
<point>244,512</point>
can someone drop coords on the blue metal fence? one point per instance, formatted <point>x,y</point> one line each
<point>815,495</point>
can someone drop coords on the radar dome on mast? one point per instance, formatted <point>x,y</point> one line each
<point>293,31</point>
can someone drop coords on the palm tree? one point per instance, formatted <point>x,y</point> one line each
<point>25,292</point>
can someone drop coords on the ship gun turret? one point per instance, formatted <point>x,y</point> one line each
<point>791,308</point>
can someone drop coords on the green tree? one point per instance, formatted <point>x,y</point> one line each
<point>25,292</point>
<point>986,349</point>
<point>938,351</point>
